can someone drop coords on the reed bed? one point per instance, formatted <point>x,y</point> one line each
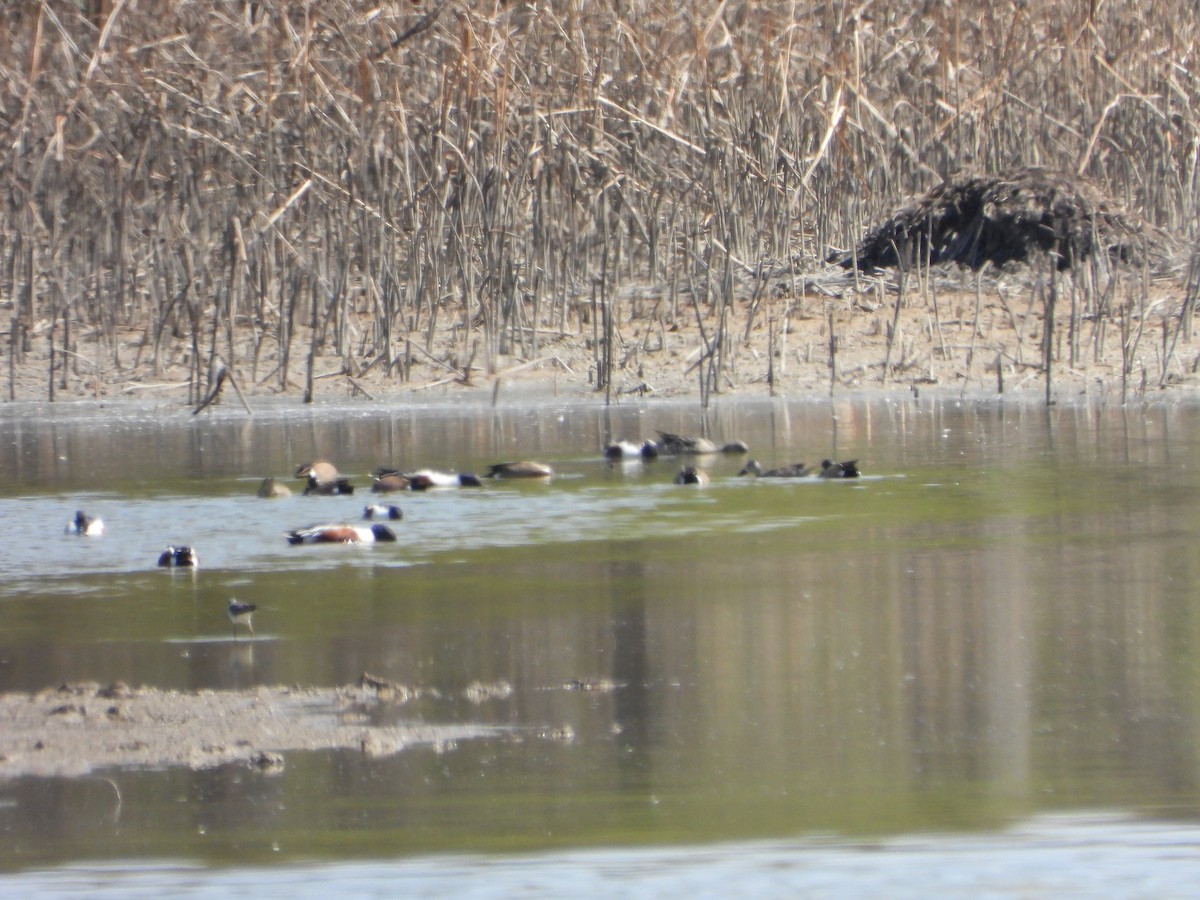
<point>272,191</point>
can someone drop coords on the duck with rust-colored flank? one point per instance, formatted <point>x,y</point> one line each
<point>270,489</point>
<point>525,468</point>
<point>831,469</point>
<point>382,511</point>
<point>340,534</point>
<point>691,475</point>
<point>669,444</point>
<point>241,614</point>
<point>795,470</point>
<point>179,557</point>
<point>424,479</point>
<point>85,525</point>
<point>321,477</point>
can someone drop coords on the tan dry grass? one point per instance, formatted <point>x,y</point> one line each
<point>413,191</point>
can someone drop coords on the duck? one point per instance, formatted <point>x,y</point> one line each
<point>525,468</point>
<point>340,534</point>
<point>691,475</point>
<point>630,450</point>
<point>425,479</point>
<point>179,557</point>
<point>669,444</point>
<point>271,489</point>
<point>795,470</point>
<point>321,477</point>
<point>385,481</point>
<point>241,614</point>
<point>85,525</point>
<point>381,511</point>
<point>831,469</point>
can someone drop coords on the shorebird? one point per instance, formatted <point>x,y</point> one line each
<point>179,557</point>
<point>85,525</point>
<point>381,511</point>
<point>692,475</point>
<point>340,534</point>
<point>795,470</point>
<point>831,469</point>
<point>241,614</point>
<point>525,468</point>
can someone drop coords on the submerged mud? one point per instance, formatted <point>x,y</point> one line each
<point>79,728</point>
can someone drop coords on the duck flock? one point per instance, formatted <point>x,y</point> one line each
<point>321,478</point>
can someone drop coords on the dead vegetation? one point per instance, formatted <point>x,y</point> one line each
<point>283,192</point>
<point>976,220</point>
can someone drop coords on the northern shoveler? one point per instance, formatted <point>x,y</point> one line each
<point>85,525</point>
<point>425,479</point>
<point>271,489</point>
<point>340,534</point>
<point>831,469</point>
<point>241,614</point>
<point>669,444</point>
<point>179,557</point>
<point>795,470</point>
<point>321,477</point>
<point>525,468</point>
<point>387,480</point>
<point>691,475</point>
<point>381,511</point>
<point>630,450</point>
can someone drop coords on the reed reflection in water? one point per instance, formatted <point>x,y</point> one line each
<point>998,621</point>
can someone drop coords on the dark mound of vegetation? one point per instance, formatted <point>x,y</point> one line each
<point>978,219</point>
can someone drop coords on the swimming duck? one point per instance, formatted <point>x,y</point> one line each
<point>669,444</point>
<point>795,470</point>
<point>179,557</point>
<point>340,534</point>
<point>525,468</point>
<point>630,450</point>
<point>380,511</point>
<point>831,469</point>
<point>425,479</point>
<point>271,489</point>
<point>85,525</point>
<point>691,475</point>
<point>241,614</point>
<point>388,480</point>
<point>321,477</point>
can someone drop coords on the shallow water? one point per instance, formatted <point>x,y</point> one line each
<point>999,623</point>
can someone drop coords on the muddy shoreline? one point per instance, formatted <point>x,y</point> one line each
<point>79,729</point>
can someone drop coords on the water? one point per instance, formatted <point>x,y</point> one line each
<point>997,626</point>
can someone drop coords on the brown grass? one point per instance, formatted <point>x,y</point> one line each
<point>278,189</point>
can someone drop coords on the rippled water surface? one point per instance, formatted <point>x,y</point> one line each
<point>997,625</point>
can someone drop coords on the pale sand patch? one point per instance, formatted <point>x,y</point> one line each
<point>81,728</point>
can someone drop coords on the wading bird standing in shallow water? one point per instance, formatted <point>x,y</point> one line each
<point>241,614</point>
